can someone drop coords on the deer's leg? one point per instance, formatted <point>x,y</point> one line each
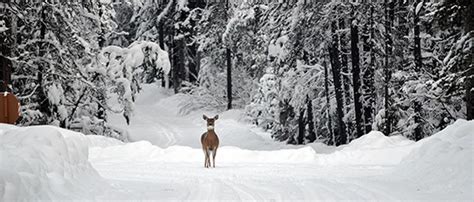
<point>208,160</point>
<point>205,157</point>
<point>210,156</point>
<point>214,157</point>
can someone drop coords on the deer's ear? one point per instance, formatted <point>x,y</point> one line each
<point>204,117</point>
<point>216,117</point>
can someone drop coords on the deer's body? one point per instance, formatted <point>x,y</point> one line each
<point>210,142</point>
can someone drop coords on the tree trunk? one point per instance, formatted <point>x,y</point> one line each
<point>341,137</point>
<point>387,73</point>
<point>309,114</point>
<point>469,81</point>
<point>229,78</point>
<point>356,79</point>
<point>368,78</point>
<point>418,66</point>
<point>417,41</point>
<point>469,85</point>
<point>301,128</point>
<point>42,99</point>
<point>178,64</point>
<point>229,68</point>
<point>344,65</point>
<point>161,35</point>
<point>345,71</point>
<point>328,103</point>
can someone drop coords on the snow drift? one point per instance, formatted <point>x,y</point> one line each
<point>144,151</point>
<point>44,163</point>
<point>373,148</point>
<point>442,160</point>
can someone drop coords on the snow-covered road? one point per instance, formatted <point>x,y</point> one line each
<point>157,120</point>
<point>250,166</point>
<point>249,181</point>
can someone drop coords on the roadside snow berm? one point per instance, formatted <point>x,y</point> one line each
<point>443,159</point>
<point>45,163</point>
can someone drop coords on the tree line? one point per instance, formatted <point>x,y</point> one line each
<point>333,71</point>
<point>329,71</point>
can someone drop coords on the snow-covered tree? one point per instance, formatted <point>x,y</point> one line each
<point>122,68</point>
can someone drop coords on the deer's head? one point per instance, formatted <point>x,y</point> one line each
<point>210,121</point>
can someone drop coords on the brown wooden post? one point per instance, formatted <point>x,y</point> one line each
<point>9,105</point>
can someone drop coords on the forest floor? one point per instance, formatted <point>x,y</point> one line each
<point>250,166</point>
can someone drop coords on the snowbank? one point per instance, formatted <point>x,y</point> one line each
<point>102,141</point>
<point>144,151</point>
<point>45,163</point>
<point>443,160</point>
<point>373,148</point>
<point>377,140</point>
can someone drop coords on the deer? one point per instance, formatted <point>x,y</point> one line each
<point>209,141</point>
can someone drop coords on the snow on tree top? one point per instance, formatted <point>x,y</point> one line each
<point>134,55</point>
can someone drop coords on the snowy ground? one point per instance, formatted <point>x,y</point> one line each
<point>165,162</point>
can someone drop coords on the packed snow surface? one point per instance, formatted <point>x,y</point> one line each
<point>165,162</point>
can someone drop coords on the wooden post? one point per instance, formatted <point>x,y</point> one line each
<point>9,113</point>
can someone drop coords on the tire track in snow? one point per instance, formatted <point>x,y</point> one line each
<point>168,132</point>
<point>372,190</point>
<point>242,193</point>
<point>211,189</point>
<point>254,182</point>
<point>157,123</point>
